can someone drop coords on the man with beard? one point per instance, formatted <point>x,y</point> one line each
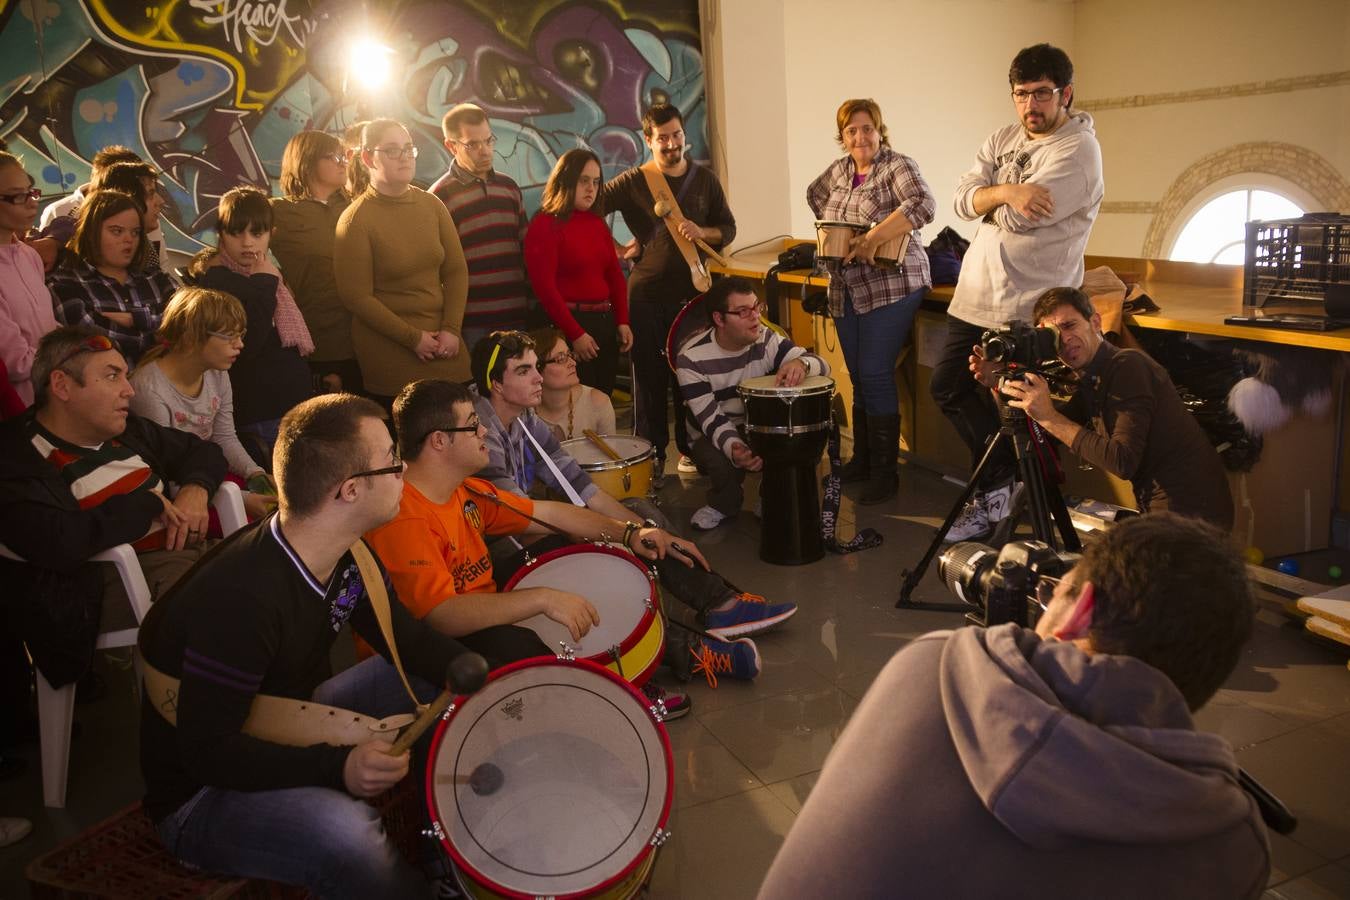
<point>661,281</point>
<point>1036,187</point>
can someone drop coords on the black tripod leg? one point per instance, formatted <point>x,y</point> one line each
<point>1072,543</point>
<point>912,578</point>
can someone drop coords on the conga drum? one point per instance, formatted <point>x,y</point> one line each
<point>554,780</point>
<point>788,427</point>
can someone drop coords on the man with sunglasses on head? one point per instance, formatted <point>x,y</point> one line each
<point>80,474</point>
<point>1035,189</point>
<point>489,214</point>
<point>735,346</point>
<point>247,770</point>
<point>436,548</point>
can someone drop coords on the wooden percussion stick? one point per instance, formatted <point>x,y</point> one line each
<point>465,674</point>
<point>663,209</point>
<point>600,442</point>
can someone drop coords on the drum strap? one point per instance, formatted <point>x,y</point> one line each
<point>373,582</point>
<point>563,483</point>
<point>660,188</point>
<point>866,538</point>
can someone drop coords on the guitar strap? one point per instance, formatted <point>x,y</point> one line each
<point>660,188</point>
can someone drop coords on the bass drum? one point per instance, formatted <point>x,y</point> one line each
<point>554,780</point>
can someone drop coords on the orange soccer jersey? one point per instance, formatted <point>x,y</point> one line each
<point>434,551</point>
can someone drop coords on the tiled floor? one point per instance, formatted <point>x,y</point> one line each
<point>749,754</point>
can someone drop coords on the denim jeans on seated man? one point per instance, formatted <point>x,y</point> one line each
<point>323,838</point>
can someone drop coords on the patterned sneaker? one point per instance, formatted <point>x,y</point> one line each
<point>749,614</point>
<point>998,503</point>
<point>686,466</point>
<point>738,659</point>
<point>705,518</point>
<point>676,703</point>
<point>972,524</point>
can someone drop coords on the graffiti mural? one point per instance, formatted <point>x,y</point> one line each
<point>210,91</point>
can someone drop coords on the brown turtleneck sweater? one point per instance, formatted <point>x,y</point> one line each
<point>400,271</point>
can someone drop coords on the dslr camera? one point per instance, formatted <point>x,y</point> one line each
<point>1003,585</point>
<point>1019,346</point>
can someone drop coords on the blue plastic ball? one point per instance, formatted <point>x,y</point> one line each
<point>1288,566</point>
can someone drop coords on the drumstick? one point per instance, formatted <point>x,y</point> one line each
<point>663,209</point>
<point>465,674</point>
<point>600,442</point>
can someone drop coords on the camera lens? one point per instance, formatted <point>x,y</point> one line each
<point>961,569</point>
<point>998,348</point>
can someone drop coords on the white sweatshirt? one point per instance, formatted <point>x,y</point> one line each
<point>1013,260</point>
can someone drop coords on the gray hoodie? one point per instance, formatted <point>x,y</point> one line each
<point>1012,259</point>
<point>990,763</point>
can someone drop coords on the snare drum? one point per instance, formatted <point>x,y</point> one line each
<point>834,239</point>
<point>629,476</point>
<point>554,780</point>
<point>631,636</point>
<point>787,424</point>
<point>892,253</point>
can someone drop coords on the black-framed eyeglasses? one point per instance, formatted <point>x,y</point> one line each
<point>23,197</point>
<point>470,427</point>
<point>395,469</point>
<point>557,359</point>
<point>96,343</point>
<point>404,152</point>
<point>475,146</point>
<point>747,312</point>
<point>1040,95</point>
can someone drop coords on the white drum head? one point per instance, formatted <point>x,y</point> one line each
<point>628,446</point>
<point>551,780</point>
<point>616,585</point>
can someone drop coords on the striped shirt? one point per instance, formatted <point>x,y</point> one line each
<point>513,461</point>
<point>94,474</point>
<point>709,375</point>
<point>893,183</point>
<point>489,215</point>
<point>82,295</point>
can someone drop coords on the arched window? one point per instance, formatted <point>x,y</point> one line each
<point>1215,232</point>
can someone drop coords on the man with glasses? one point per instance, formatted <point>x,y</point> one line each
<point>1062,761</point>
<point>711,364</point>
<point>79,473</point>
<point>240,791</point>
<point>661,283</point>
<point>489,213</point>
<point>1035,188</point>
<point>436,548</point>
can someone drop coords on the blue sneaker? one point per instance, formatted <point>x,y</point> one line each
<point>750,614</point>
<point>738,659</point>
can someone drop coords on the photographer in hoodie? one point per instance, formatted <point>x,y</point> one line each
<point>1060,762</point>
<point>1036,187</point>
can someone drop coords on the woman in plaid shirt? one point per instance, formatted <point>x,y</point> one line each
<point>873,306</point>
<point>103,284</point>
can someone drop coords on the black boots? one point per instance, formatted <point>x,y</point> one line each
<point>883,442</point>
<point>858,466</point>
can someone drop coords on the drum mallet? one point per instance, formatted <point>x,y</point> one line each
<point>465,674</point>
<point>664,209</point>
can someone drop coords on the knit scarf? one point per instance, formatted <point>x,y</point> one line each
<point>289,322</point>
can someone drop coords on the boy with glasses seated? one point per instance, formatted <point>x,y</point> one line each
<point>710,366</point>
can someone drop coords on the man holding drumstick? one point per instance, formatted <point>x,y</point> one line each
<point>711,365</point>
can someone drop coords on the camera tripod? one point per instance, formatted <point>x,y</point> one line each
<point>1040,498</point>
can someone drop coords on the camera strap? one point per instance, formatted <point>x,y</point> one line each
<point>865,538</point>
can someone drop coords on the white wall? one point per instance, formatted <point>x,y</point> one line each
<point>939,71</point>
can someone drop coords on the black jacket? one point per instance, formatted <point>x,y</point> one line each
<point>55,595</point>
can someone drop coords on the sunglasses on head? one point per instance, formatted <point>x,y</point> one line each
<point>96,343</point>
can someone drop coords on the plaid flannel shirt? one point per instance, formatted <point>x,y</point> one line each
<point>893,183</point>
<point>82,294</point>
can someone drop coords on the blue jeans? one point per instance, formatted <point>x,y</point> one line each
<point>871,343</point>
<point>324,839</point>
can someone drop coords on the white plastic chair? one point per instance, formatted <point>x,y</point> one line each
<point>56,706</point>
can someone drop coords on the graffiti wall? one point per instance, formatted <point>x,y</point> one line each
<point>211,90</point>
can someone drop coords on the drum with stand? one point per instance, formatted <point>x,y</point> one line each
<point>788,427</point>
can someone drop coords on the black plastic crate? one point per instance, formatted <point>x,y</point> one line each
<point>1297,261</point>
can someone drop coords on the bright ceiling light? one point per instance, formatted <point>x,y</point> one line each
<point>369,64</point>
